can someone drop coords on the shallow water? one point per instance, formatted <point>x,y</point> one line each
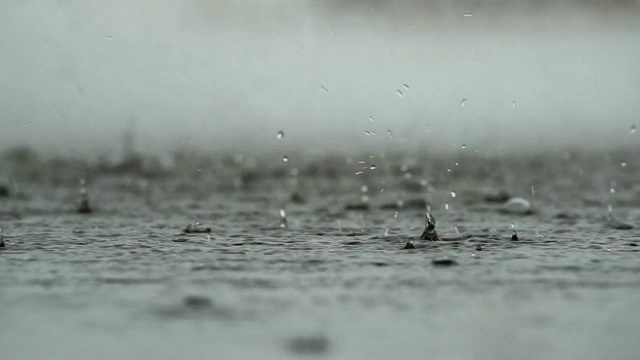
<point>124,282</point>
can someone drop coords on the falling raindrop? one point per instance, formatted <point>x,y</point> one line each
<point>453,194</point>
<point>280,134</point>
<point>463,102</point>
<point>468,14</point>
<point>464,146</point>
<point>633,129</point>
<point>371,118</point>
<point>406,87</point>
<point>612,190</point>
<point>386,231</point>
<point>372,167</point>
<point>513,104</point>
<point>514,237</point>
<point>390,133</point>
<point>623,164</point>
<point>364,189</point>
<point>399,93</point>
<point>358,172</point>
<point>395,216</point>
<point>446,206</point>
<point>285,159</point>
<point>324,88</point>
<point>369,133</point>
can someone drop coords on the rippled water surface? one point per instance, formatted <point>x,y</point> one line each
<point>125,282</point>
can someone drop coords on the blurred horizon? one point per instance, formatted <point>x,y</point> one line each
<point>333,76</point>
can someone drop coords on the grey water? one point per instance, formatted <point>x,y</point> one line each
<point>243,180</point>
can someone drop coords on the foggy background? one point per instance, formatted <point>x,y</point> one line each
<point>212,75</point>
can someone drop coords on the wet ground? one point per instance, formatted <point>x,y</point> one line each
<point>125,281</point>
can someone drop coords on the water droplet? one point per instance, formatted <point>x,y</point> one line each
<point>449,170</point>
<point>283,219</point>
<point>369,133</point>
<point>390,133</point>
<point>358,172</point>
<point>372,167</point>
<point>364,188</point>
<point>533,191</point>
<point>395,216</point>
<point>280,134</point>
<point>476,150</point>
<point>612,190</point>
<point>468,14</point>
<point>446,206</point>
<point>623,164</point>
<point>633,129</point>
<point>285,159</point>
<point>324,88</point>
<point>464,146</point>
<point>386,232</point>
<point>399,93</point>
<point>406,87</point>
<point>371,118</point>
<point>453,194</point>
<point>463,102</point>
<point>513,104</point>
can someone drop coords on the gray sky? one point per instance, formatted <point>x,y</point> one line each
<point>220,74</point>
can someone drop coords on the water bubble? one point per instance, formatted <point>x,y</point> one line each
<point>371,118</point>
<point>372,167</point>
<point>468,15</point>
<point>390,133</point>
<point>463,102</point>
<point>406,87</point>
<point>285,159</point>
<point>453,194</point>
<point>280,134</point>
<point>633,129</point>
<point>399,93</point>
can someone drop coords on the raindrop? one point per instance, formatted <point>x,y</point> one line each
<point>372,167</point>
<point>406,87</point>
<point>324,88</point>
<point>358,172</point>
<point>612,190</point>
<point>371,118</point>
<point>468,14</point>
<point>280,134</point>
<point>395,216</point>
<point>464,146</point>
<point>633,129</point>
<point>463,102</point>
<point>533,191</point>
<point>369,133</point>
<point>446,206</point>
<point>283,219</point>
<point>399,93</point>
<point>453,194</point>
<point>390,133</point>
<point>386,231</point>
<point>513,104</point>
<point>285,159</point>
<point>623,164</point>
<point>364,188</point>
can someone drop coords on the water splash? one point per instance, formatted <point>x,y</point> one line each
<point>514,237</point>
<point>283,219</point>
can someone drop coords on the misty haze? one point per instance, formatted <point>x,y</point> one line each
<point>362,179</point>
